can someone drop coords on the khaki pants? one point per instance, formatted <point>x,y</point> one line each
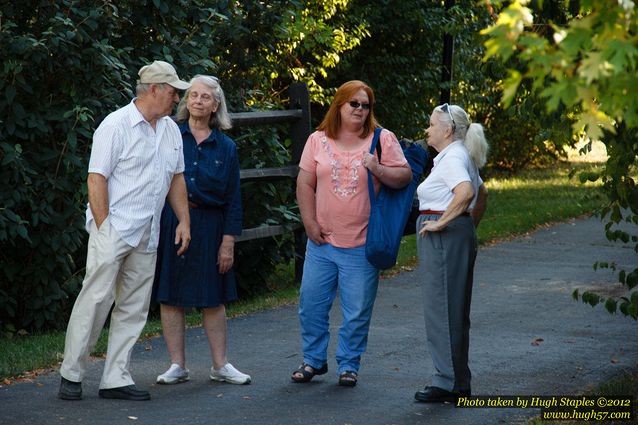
<point>115,273</point>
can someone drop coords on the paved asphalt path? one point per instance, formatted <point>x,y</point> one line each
<point>528,337</point>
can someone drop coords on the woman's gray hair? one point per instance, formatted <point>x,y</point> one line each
<point>471,134</point>
<point>220,119</point>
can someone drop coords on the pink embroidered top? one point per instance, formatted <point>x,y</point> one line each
<point>342,200</point>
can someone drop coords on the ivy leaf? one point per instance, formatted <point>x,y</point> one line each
<point>632,279</point>
<point>611,305</point>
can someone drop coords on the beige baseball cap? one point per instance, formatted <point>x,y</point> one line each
<point>161,72</point>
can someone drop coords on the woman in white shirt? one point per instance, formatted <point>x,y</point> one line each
<point>452,200</point>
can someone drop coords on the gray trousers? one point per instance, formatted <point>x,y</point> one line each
<point>446,264</point>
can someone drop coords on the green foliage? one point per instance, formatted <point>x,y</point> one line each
<point>265,203</point>
<point>310,42</point>
<point>401,59</point>
<point>520,131</point>
<point>55,65</point>
<point>66,64</point>
<point>585,67</point>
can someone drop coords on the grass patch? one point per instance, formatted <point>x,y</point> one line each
<point>516,205</point>
<point>34,354</point>
<point>519,204</point>
<point>30,355</point>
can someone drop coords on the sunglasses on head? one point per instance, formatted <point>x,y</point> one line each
<point>355,105</point>
<point>446,108</point>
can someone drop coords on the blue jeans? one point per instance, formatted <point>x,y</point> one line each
<point>326,268</point>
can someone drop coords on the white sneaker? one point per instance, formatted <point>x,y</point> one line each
<point>174,375</point>
<point>228,373</point>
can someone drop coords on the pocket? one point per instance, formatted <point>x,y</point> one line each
<point>213,176</point>
<point>436,239</point>
<point>170,165</point>
<point>103,229</point>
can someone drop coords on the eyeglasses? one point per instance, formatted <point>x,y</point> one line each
<point>446,108</point>
<point>355,105</point>
<point>204,96</point>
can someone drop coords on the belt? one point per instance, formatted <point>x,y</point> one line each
<point>433,212</point>
<point>194,205</point>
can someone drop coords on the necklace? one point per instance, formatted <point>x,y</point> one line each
<point>351,171</point>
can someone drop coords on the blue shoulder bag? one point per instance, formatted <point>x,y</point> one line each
<point>390,209</point>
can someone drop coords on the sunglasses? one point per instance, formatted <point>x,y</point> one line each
<point>355,105</point>
<point>446,108</point>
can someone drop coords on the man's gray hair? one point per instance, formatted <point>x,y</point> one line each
<point>142,88</point>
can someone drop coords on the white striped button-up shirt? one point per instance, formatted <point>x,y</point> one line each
<point>139,164</point>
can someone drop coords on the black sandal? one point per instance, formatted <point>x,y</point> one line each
<point>307,375</point>
<point>348,378</point>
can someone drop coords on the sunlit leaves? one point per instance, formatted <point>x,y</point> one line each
<point>592,122</point>
<point>589,69</point>
<point>511,85</point>
<point>510,25</point>
<point>594,66</point>
<point>590,48</point>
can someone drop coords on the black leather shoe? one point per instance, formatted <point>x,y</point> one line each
<point>70,390</point>
<point>130,392</point>
<point>439,395</point>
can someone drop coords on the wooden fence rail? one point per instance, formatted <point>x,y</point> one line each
<point>299,119</point>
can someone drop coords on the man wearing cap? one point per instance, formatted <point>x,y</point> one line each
<point>136,165</point>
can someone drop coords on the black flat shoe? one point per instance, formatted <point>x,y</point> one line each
<point>70,390</point>
<point>439,395</point>
<point>130,392</point>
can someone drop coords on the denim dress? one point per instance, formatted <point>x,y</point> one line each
<point>212,182</point>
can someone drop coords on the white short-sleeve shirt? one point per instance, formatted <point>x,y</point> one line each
<point>139,163</point>
<point>453,165</point>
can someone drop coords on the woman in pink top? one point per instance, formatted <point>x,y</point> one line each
<point>332,192</point>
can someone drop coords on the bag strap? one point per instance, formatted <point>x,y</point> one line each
<point>375,143</point>
<point>374,146</point>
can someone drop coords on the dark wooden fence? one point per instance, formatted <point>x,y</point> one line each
<point>299,118</point>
